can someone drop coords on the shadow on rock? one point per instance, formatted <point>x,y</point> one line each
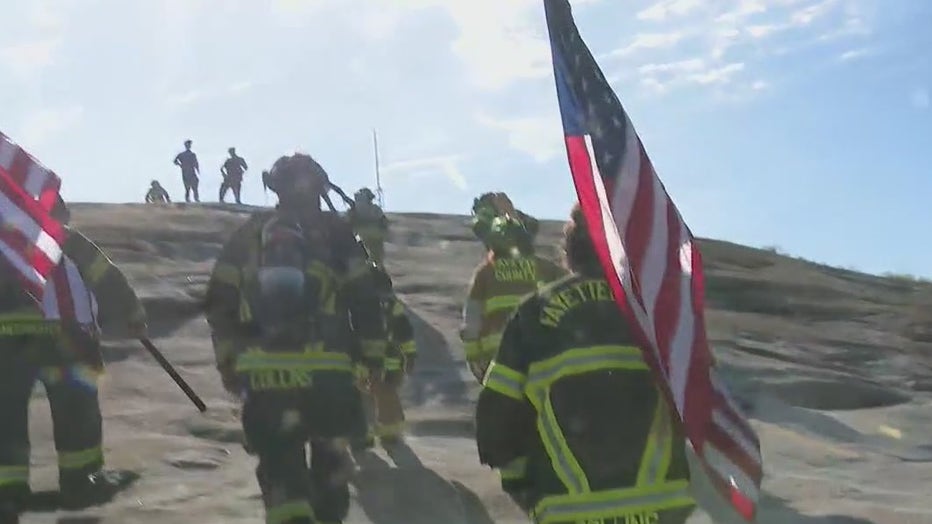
<point>776,511</point>
<point>412,493</point>
<point>437,372</point>
<point>78,520</point>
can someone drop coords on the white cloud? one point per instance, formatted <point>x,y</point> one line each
<point>29,58</point>
<point>668,8</point>
<point>743,10</point>
<point>540,137</point>
<point>446,166</point>
<point>693,64</point>
<point>43,125</point>
<point>241,87</point>
<point>187,97</point>
<point>719,75</point>
<point>807,15</point>
<point>759,85</point>
<point>855,54</point>
<point>920,98</point>
<point>649,41</point>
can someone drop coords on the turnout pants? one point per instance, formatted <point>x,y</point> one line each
<point>72,394</point>
<point>383,406</point>
<point>278,426</point>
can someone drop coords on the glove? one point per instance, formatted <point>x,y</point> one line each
<point>478,368</point>
<point>363,377</point>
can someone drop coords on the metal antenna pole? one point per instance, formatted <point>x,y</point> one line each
<point>378,177</point>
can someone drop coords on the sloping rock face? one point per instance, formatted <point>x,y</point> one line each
<point>834,366</point>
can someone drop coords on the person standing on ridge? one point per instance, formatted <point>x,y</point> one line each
<point>157,194</point>
<point>190,170</point>
<point>370,223</point>
<point>232,170</point>
<point>296,324</point>
<point>65,354</point>
<point>570,395</point>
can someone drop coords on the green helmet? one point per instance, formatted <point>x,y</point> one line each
<point>508,236</point>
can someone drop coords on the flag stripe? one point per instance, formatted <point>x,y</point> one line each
<point>651,261</point>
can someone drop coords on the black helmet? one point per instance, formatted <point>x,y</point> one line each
<point>298,172</point>
<point>365,193</point>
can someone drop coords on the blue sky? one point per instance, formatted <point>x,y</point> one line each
<point>804,124</point>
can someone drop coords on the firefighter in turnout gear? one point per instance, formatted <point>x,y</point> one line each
<point>510,271</point>
<point>296,322</point>
<point>370,223</point>
<point>64,353</point>
<point>570,393</point>
<point>383,402</point>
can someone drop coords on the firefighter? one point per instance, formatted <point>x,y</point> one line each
<point>383,402</point>
<point>66,356</point>
<point>370,223</point>
<point>571,394</point>
<point>157,194</point>
<point>488,206</point>
<point>296,325</point>
<point>510,271</point>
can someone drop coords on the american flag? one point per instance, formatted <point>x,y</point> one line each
<point>651,261</point>
<point>30,239</point>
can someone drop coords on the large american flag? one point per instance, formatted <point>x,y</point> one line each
<point>30,239</point>
<point>651,261</point>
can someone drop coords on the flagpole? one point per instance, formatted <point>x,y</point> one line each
<point>378,177</point>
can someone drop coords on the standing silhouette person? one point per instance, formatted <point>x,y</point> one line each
<point>232,170</point>
<point>190,170</point>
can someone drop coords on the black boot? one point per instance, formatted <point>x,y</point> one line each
<point>94,489</point>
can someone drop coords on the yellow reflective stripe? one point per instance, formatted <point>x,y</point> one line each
<point>257,360</point>
<point>491,343</point>
<point>282,513</point>
<point>80,459</point>
<point>502,379</point>
<point>13,475</point>
<point>29,328</point>
<point>582,360</point>
<point>98,268</point>
<point>392,364</point>
<point>473,349</point>
<point>564,463</point>
<point>498,303</point>
<point>655,462</point>
<point>326,277</point>
<point>613,503</point>
<point>398,309</point>
<point>245,312</point>
<point>514,470</point>
<point>226,274</point>
<point>408,347</point>
<point>24,315</point>
<point>390,430</point>
<point>541,375</point>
